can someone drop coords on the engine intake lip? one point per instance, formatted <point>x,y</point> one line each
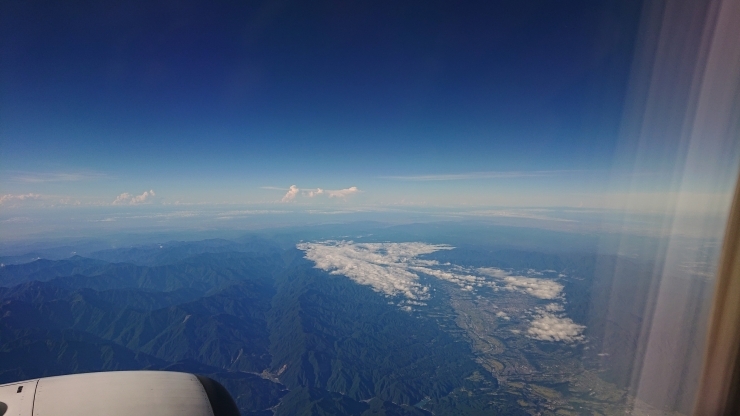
<point>221,401</point>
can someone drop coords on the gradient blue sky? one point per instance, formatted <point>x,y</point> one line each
<point>194,99</point>
<point>421,102</point>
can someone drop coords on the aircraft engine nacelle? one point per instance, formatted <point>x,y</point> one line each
<point>141,393</point>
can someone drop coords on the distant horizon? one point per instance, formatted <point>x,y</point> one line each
<point>43,224</point>
<point>364,109</point>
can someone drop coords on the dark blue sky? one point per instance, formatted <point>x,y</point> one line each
<point>209,101</point>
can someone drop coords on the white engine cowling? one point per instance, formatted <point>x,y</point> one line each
<point>141,393</point>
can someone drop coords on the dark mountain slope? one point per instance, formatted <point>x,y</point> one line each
<point>29,353</point>
<point>203,272</point>
<point>37,340</point>
<point>227,330</point>
<point>175,251</point>
<point>330,333</point>
<point>313,401</point>
<point>44,270</point>
<point>144,300</point>
<point>340,348</point>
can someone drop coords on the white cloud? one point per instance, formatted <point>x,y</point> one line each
<point>539,288</point>
<point>18,197</point>
<point>127,198</point>
<point>122,199</point>
<point>494,272</point>
<point>342,193</point>
<point>503,315</point>
<point>292,192</point>
<point>394,269</point>
<point>465,281</point>
<point>313,193</point>
<point>383,266</point>
<point>415,303</point>
<point>143,197</point>
<point>550,327</point>
<point>18,220</point>
<point>554,307</point>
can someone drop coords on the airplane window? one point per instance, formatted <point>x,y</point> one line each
<point>371,207</point>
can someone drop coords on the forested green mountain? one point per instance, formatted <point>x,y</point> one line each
<point>234,315</point>
<point>283,336</point>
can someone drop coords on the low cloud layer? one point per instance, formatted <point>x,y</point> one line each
<point>510,213</point>
<point>539,288</point>
<point>128,199</point>
<point>316,192</point>
<point>386,267</point>
<point>7,198</point>
<point>395,269</point>
<point>548,326</point>
<point>342,193</point>
<point>294,192</point>
<point>465,281</point>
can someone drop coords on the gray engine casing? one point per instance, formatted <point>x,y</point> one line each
<point>117,393</point>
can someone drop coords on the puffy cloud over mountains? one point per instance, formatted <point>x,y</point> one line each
<point>395,269</point>
<point>386,267</point>
<point>537,287</point>
<point>549,327</point>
